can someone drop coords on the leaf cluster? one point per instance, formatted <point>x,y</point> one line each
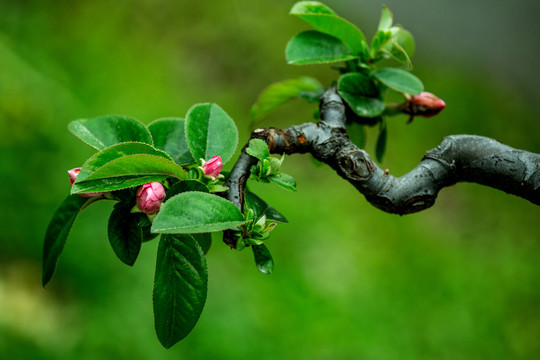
<point>130,154</point>
<point>363,82</point>
<point>268,167</point>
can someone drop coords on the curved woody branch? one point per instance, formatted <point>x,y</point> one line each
<point>458,158</point>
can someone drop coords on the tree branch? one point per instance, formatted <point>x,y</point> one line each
<point>458,158</point>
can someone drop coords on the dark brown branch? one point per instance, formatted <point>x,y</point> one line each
<point>458,158</point>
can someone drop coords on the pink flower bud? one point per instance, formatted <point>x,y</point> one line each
<point>213,167</point>
<point>73,173</point>
<point>150,196</point>
<point>425,104</point>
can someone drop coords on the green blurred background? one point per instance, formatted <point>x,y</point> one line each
<point>459,281</point>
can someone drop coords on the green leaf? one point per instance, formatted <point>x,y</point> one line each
<point>114,183</point>
<point>357,134</point>
<point>169,136</point>
<point>210,132</point>
<point>196,212</point>
<point>125,165</point>
<point>359,84</point>
<point>125,233</point>
<point>180,287</point>
<point>183,186</point>
<point>261,208</point>
<point>58,231</point>
<point>386,19</point>
<point>285,181</point>
<point>379,40</point>
<point>204,240</point>
<point>147,234</point>
<point>280,93</point>
<point>401,48</point>
<point>313,47</point>
<point>263,259</point>
<point>102,132</point>
<point>312,96</point>
<point>216,188</point>
<point>404,39</point>
<point>275,163</point>
<point>361,94</point>
<point>258,148</point>
<point>114,152</point>
<point>128,171</point>
<point>399,80</point>
<point>325,20</point>
<point>380,147</point>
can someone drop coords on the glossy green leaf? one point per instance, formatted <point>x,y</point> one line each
<point>114,183</point>
<point>187,185</point>
<point>386,19</point>
<point>114,152</point>
<point>280,93</point>
<point>404,39</point>
<point>361,95</point>
<point>312,96</point>
<point>125,233</point>
<point>145,224</point>
<point>261,208</point>
<point>58,231</point>
<point>401,47</point>
<point>147,234</point>
<point>358,84</point>
<point>137,165</point>
<point>217,188</point>
<point>325,20</point>
<point>313,47</point>
<point>258,148</point>
<point>204,240</point>
<point>285,181</point>
<point>104,131</point>
<point>210,132</point>
<point>196,212</point>
<point>357,134</point>
<point>128,171</point>
<point>180,287</point>
<point>380,147</point>
<point>263,259</point>
<point>379,40</point>
<point>399,80</point>
<point>169,136</point>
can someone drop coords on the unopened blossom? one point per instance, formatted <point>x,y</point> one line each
<point>212,167</point>
<point>425,104</point>
<point>150,196</point>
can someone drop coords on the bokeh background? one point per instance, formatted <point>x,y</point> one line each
<point>459,281</point>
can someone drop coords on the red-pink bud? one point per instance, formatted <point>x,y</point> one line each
<point>73,173</point>
<point>150,196</point>
<point>213,167</point>
<point>425,104</point>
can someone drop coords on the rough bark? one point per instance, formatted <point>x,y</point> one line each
<point>458,158</point>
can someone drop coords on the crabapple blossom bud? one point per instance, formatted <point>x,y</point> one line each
<point>73,173</point>
<point>425,104</point>
<point>150,196</point>
<point>213,167</point>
